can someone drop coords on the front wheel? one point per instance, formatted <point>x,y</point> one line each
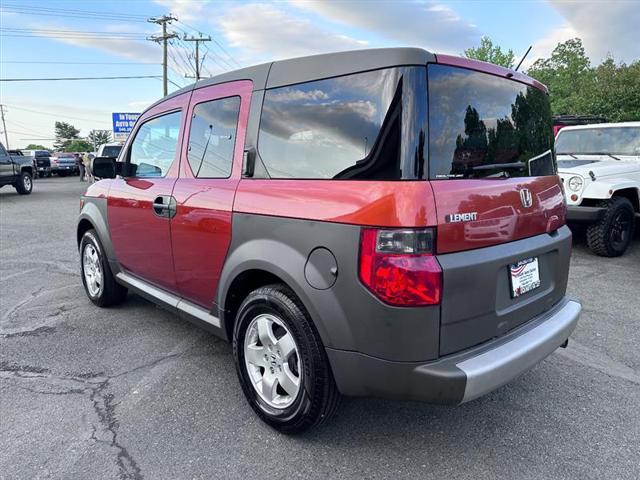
<point>97,278</point>
<point>24,185</point>
<point>611,236</point>
<point>281,362</point>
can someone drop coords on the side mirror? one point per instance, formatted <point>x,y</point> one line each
<point>104,167</point>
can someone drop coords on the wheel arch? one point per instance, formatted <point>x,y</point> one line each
<point>246,269</point>
<point>632,194</point>
<point>93,216</point>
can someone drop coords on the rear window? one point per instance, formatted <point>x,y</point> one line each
<point>369,125</point>
<point>111,151</point>
<point>481,125</point>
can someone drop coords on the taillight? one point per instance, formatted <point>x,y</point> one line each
<point>398,266</point>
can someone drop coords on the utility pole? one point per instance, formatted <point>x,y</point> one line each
<point>163,20</point>
<point>197,40</point>
<point>4,127</point>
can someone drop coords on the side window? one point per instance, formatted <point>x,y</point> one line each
<point>366,126</point>
<point>212,137</point>
<point>3,152</point>
<point>154,147</point>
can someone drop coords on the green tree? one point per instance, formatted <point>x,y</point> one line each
<point>99,137</point>
<point>567,74</point>
<point>35,146</point>
<point>78,145</point>
<point>64,133</point>
<point>576,88</point>
<point>488,52</point>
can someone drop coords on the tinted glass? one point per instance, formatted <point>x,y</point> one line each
<point>154,148</point>
<point>613,140</point>
<point>111,151</point>
<point>2,150</point>
<point>478,121</point>
<point>212,137</point>
<point>368,125</point>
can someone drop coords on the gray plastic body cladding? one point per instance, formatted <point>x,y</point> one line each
<point>95,211</point>
<point>347,315</point>
<point>462,376</point>
<point>476,302</point>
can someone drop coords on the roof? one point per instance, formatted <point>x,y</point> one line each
<point>315,67</point>
<point>600,125</point>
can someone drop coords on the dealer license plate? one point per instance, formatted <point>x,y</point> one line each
<point>525,276</point>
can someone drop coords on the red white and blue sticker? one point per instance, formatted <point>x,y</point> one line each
<point>525,276</point>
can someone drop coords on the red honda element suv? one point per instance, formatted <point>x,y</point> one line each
<point>381,222</point>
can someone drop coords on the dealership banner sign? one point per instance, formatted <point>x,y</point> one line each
<point>123,124</point>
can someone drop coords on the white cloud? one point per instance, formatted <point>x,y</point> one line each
<point>605,27</point>
<point>426,24</point>
<point>185,10</point>
<point>267,32</point>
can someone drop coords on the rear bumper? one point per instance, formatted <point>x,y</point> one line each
<point>585,214</point>
<point>463,376</point>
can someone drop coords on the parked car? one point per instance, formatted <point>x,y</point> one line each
<point>561,121</point>
<point>303,210</point>
<point>64,164</point>
<point>42,160</point>
<point>109,150</point>
<point>16,170</point>
<point>600,168</point>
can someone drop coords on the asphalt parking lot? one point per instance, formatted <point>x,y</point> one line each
<point>134,392</point>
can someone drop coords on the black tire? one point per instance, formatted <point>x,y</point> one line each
<point>611,236</point>
<point>110,292</point>
<point>49,174</point>
<point>318,397</point>
<point>24,185</point>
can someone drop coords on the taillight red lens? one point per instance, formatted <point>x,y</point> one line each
<point>398,266</point>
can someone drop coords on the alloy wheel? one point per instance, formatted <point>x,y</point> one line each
<point>272,361</point>
<point>92,269</point>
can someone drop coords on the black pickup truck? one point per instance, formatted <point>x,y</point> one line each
<point>16,170</point>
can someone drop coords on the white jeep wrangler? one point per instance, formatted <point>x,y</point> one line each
<point>600,168</point>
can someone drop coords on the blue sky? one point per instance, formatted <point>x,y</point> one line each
<point>48,35</point>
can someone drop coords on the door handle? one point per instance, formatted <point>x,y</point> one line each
<point>164,206</point>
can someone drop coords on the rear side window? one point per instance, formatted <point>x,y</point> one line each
<point>212,137</point>
<point>154,147</point>
<point>481,125</point>
<point>111,151</point>
<point>369,125</point>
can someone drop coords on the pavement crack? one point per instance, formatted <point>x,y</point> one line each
<point>29,333</point>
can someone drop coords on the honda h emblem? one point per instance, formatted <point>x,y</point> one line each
<point>526,198</point>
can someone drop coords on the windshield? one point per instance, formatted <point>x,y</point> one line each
<point>481,125</point>
<point>111,151</point>
<point>612,140</point>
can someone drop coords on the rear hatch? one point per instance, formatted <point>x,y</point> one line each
<point>499,203</point>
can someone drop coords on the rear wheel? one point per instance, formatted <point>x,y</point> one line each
<point>611,236</point>
<point>24,185</point>
<point>281,362</point>
<point>97,278</point>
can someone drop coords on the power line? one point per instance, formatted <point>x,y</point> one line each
<point>47,62</point>
<point>73,78</point>
<point>216,42</point>
<point>73,10</point>
<point>78,32</point>
<point>69,36</point>
<point>59,12</point>
<point>56,114</point>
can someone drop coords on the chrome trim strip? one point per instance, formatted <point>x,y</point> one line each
<point>148,290</point>
<point>498,366</point>
<point>157,294</point>
<point>198,312</point>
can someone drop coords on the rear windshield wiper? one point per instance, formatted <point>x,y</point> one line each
<point>500,166</point>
